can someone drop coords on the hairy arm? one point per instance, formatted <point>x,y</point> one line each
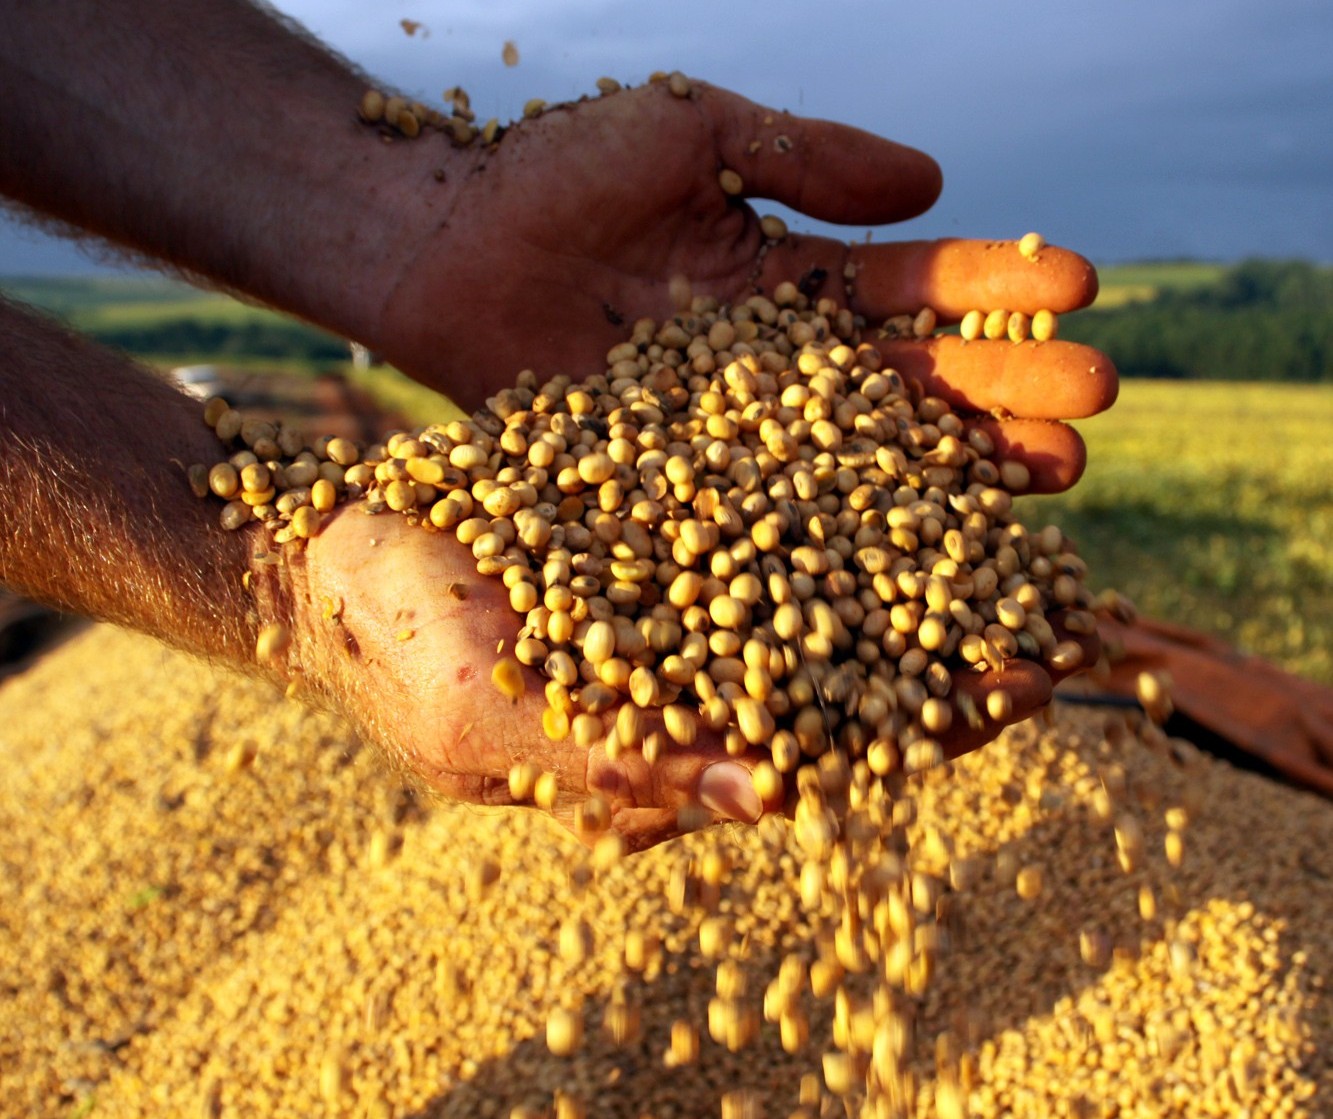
<point>210,136</point>
<point>96,515</point>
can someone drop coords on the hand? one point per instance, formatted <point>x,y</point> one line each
<point>551,247</point>
<point>396,629</point>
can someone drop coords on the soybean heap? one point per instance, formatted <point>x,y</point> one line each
<point>745,523</point>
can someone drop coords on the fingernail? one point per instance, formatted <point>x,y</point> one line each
<point>727,789</point>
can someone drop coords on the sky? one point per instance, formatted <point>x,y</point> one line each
<point>1126,129</point>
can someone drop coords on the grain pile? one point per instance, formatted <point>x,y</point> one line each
<point>745,521</point>
<point>183,933</point>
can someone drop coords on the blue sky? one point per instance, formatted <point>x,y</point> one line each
<point>1129,130</point>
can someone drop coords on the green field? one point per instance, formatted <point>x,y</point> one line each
<point>168,322</point>
<point>1210,504</point>
<point>90,303</point>
<point>1138,283</point>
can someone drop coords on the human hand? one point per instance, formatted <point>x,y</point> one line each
<point>584,216</point>
<point>394,627</point>
<point>547,250</point>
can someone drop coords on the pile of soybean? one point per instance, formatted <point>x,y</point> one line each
<point>743,522</point>
<point>215,902</point>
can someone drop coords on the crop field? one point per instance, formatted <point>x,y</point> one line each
<point>1129,283</point>
<point>167,323</point>
<point>1210,504</point>
<point>101,302</point>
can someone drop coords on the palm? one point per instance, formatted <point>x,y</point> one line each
<point>578,220</point>
<point>401,633</point>
<point>409,656</point>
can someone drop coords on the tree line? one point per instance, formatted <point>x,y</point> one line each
<point>276,339</point>
<point>1262,320</point>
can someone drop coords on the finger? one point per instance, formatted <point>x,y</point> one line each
<point>704,774</point>
<point>951,277</point>
<point>830,171</point>
<point>1054,453</point>
<point>642,828</point>
<point>1028,687</point>
<point>954,276</point>
<point>1032,380</point>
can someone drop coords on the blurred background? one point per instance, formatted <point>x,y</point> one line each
<point>1183,147</point>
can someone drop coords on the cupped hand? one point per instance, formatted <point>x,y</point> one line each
<point>396,629</point>
<point>550,246</point>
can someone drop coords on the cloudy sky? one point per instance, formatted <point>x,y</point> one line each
<point>1129,129</point>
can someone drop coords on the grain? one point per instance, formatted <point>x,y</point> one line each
<point>220,935</point>
<point>1018,326</point>
<point>272,642</point>
<point>1030,245</point>
<point>1044,325</point>
<point>507,676</point>
<point>576,555</point>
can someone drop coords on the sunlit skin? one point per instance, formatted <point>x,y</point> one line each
<point>431,701</point>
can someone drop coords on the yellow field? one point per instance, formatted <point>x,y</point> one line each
<point>1211,504</point>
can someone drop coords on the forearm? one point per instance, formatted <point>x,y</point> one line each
<point>96,515</point>
<point>206,134</point>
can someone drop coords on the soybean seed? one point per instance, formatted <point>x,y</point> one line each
<point>508,679</point>
<point>1030,244</point>
<point>272,642</point>
<point>996,325</point>
<point>1045,326</point>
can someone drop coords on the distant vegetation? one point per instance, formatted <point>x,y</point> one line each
<point>165,322</point>
<point>223,342</point>
<point>1262,320</point>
